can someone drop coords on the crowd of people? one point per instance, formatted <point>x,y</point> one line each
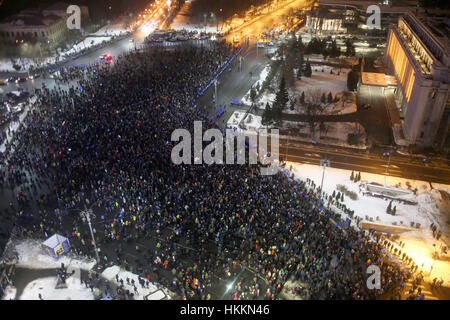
<point>105,143</point>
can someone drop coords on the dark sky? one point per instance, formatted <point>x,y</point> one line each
<point>97,8</point>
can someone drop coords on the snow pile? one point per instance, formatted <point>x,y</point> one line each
<point>252,122</point>
<point>87,43</point>
<point>46,287</point>
<point>235,119</point>
<point>152,292</point>
<point>30,255</point>
<point>9,293</point>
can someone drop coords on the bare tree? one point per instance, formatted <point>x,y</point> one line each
<point>313,108</point>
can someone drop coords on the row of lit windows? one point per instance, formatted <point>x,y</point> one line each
<point>437,52</point>
<point>403,68</point>
<point>416,47</point>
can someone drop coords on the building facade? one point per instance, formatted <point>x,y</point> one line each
<point>419,59</point>
<point>48,26</point>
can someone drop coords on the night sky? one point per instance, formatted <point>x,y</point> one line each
<point>98,9</point>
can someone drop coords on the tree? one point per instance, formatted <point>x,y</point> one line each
<point>252,95</point>
<point>330,97</point>
<point>313,107</point>
<point>334,194</point>
<point>322,127</point>
<point>359,176</point>
<point>394,210</point>
<point>352,80</point>
<point>389,208</point>
<point>342,197</point>
<point>281,98</point>
<point>323,98</point>
<point>308,71</point>
<point>292,105</point>
<point>352,176</point>
<point>349,48</point>
<point>302,97</point>
<point>267,115</point>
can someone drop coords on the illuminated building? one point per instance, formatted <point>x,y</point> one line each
<point>320,22</point>
<point>418,56</point>
<point>353,13</point>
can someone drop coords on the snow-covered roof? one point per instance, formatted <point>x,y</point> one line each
<point>54,240</point>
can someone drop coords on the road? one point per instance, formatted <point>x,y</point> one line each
<point>350,159</point>
<point>253,28</point>
<point>235,83</point>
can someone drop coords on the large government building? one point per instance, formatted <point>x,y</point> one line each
<point>418,55</point>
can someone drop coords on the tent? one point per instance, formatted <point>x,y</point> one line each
<point>56,245</point>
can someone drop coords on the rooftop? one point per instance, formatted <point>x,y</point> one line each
<point>362,5</point>
<point>378,79</point>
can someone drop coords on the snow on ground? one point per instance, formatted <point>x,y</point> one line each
<point>7,65</point>
<point>117,27</point>
<point>261,79</point>
<point>235,119</point>
<point>30,255</point>
<point>419,242</point>
<point>336,133</point>
<point>252,122</point>
<point>87,43</point>
<point>13,126</point>
<point>9,293</point>
<point>46,287</point>
<point>323,80</point>
<point>158,293</point>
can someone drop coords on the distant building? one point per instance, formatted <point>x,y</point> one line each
<point>48,26</point>
<point>353,13</point>
<point>319,21</point>
<point>418,55</point>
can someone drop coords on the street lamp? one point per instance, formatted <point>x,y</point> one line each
<point>87,214</point>
<point>215,92</point>
<point>389,161</point>
<point>324,163</point>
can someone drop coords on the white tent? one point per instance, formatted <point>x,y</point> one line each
<point>56,245</point>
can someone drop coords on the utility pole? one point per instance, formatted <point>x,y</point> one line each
<point>87,213</point>
<point>389,161</point>
<point>324,164</point>
<point>215,91</point>
<point>287,148</point>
